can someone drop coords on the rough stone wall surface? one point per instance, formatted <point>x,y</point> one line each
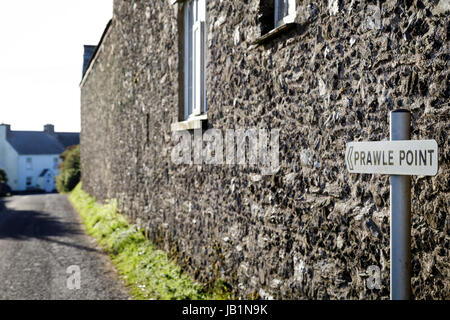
<point>312,229</point>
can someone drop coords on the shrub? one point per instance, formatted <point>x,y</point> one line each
<point>3,177</point>
<point>4,188</point>
<point>69,170</point>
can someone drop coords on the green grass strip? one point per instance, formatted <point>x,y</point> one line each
<point>147,271</point>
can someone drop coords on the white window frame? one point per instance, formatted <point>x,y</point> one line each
<point>288,17</point>
<point>194,59</point>
<point>29,163</point>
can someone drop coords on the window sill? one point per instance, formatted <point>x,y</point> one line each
<point>193,123</point>
<point>273,33</point>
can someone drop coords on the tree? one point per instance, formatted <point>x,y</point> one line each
<point>69,169</point>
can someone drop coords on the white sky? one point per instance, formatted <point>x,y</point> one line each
<point>41,59</point>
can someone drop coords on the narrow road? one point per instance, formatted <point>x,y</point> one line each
<point>45,253</point>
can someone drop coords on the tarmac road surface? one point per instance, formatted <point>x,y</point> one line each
<point>45,253</point>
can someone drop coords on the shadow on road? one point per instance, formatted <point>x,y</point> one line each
<point>27,225</point>
<point>32,192</point>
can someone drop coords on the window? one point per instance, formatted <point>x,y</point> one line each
<point>284,12</point>
<point>194,58</point>
<point>29,182</point>
<point>274,17</point>
<point>55,163</point>
<point>29,163</point>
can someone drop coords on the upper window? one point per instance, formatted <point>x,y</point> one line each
<point>273,15</point>
<point>29,163</point>
<point>284,12</point>
<point>194,58</point>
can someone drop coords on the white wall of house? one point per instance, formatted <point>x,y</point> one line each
<point>11,166</point>
<point>23,171</point>
<point>31,171</point>
<point>9,160</point>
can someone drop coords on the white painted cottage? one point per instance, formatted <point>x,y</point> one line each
<point>31,158</point>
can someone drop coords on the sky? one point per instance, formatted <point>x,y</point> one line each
<point>41,59</point>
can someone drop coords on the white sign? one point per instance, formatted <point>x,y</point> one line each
<point>400,157</point>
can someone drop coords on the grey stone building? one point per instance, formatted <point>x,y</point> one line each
<point>323,74</point>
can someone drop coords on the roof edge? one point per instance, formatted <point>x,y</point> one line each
<point>95,54</point>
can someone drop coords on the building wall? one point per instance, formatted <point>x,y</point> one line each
<point>39,163</point>
<point>9,161</point>
<point>311,230</point>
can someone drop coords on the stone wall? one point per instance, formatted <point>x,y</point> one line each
<point>312,229</point>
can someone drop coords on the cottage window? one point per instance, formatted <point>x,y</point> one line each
<point>194,58</point>
<point>29,163</point>
<point>284,12</point>
<point>29,181</point>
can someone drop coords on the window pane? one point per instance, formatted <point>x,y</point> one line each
<point>196,10</point>
<point>28,163</point>
<point>194,57</point>
<point>282,9</point>
<point>188,57</point>
<point>197,66</point>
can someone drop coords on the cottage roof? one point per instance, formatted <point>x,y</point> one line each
<point>38,142</point>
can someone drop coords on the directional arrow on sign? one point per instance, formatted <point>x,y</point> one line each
<point>349,157</point>
<point>400,157</point>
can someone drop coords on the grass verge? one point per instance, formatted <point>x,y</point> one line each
<point>147,271</point>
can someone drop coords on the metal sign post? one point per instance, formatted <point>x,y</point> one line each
<point>400,158</point>
<point>400,216</point>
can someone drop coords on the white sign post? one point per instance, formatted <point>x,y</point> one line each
<point>400,158</point>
